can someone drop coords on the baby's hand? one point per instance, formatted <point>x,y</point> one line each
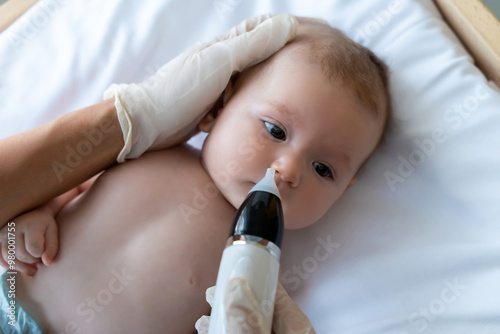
<point>33,237</point>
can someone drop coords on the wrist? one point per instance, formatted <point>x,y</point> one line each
<point>109,118</point>
<point>49,208</point>
<point>126,127</point>
<point>54,206</point>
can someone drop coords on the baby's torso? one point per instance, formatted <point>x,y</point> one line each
<point>137,251</point>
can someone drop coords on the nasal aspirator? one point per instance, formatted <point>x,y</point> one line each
<point>252,251</point>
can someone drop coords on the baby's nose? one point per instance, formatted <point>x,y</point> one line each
<point>288,167</point>
<point>277,178</point>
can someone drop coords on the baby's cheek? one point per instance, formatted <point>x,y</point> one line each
<point>298,217</point>
<point>307,210</point>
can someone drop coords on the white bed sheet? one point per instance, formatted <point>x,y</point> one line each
<point>417,254</point>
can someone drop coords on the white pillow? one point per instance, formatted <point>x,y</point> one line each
<point>414,246</point>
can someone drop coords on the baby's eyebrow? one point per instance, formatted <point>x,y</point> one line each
<point>345,164</point>
<point>339,155</point>
<point>283,110</point>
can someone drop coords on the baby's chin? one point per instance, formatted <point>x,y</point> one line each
<point>235,200</point>
<point>296,225</point>
<point>236,195</point>
<point>296,220</point>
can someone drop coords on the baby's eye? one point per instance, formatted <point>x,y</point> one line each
<point>275,131</point>
<point>322,169</point>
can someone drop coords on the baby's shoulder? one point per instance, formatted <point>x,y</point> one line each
<point>165,174</point>
<point>183,156</point>
<point>177,158</point>
<point>159,166</point>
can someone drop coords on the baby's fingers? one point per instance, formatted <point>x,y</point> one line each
<point>51,244</point>
<point>27,268</point>
<point>17,264</point>
<point>3,258</point>
<point>22,252</point>
<point>34,241</point>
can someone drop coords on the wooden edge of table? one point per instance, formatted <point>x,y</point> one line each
<point>478,29</point>
<point>12,10</point>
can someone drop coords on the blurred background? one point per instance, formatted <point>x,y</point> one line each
<point>494,6</point>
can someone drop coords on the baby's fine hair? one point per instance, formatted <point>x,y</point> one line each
<point>344,62</point>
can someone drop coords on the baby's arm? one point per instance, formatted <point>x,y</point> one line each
<point>55,206</point>
<point>32,237</point>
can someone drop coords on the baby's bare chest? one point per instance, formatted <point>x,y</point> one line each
<point>162,204</point>
<point>158,221</point>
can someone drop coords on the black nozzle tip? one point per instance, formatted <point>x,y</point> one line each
<point>260,215</point>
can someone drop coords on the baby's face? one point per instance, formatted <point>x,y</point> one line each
<point>291,118</point>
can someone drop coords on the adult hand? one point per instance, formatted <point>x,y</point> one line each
<point>243,313</point>
<point>166,108</point>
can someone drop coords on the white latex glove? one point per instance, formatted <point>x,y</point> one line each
<point>165,109</point>
<point>243,312</point>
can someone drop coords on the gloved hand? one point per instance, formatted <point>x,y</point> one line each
<point>243,312</point>
<point>165,109</point>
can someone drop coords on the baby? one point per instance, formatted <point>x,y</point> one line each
<point>138,249</point>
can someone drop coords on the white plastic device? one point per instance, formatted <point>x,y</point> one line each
<point>252,252</point>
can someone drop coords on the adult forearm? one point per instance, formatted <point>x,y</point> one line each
<point>47,161</point>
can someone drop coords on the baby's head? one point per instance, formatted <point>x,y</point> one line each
<point>315,111</point>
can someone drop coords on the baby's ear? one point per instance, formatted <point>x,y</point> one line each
<point>228,92</point>
<point>208,121</point>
